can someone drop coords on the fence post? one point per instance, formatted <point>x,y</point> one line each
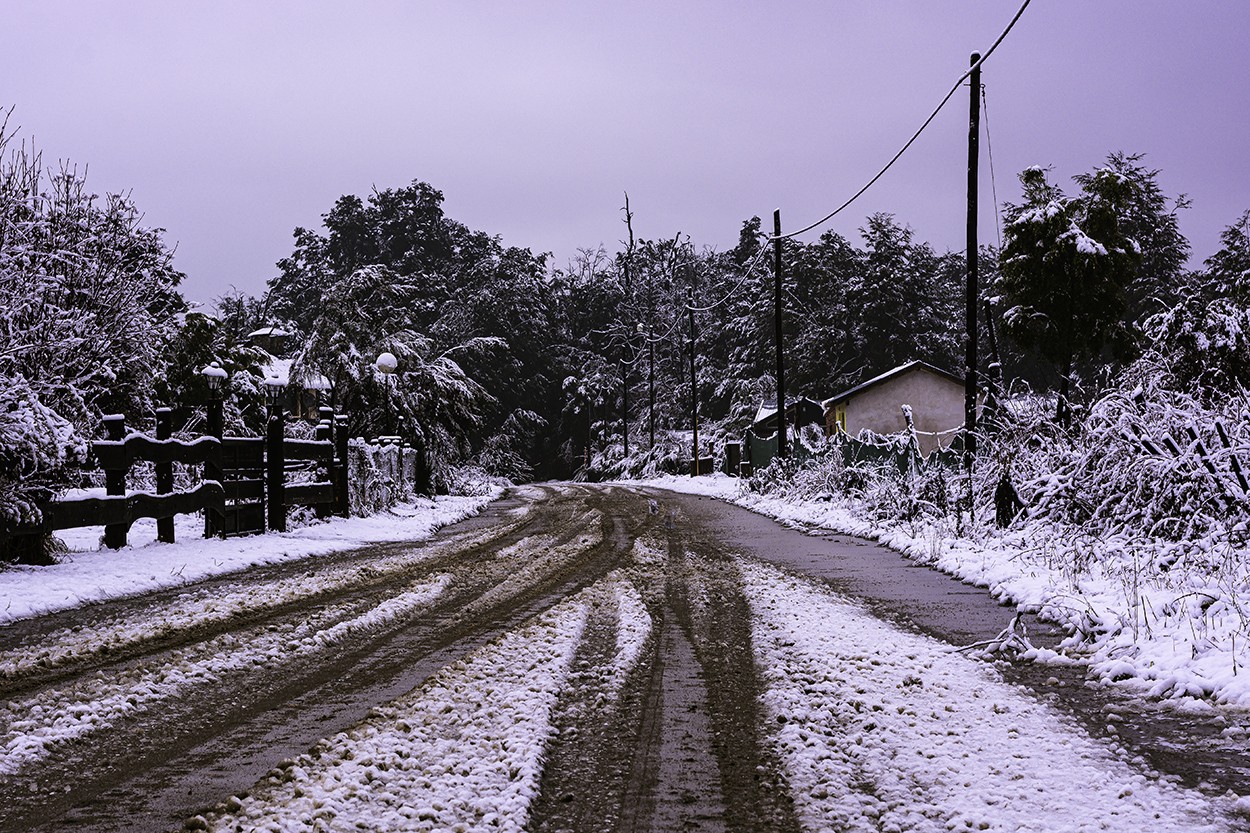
<point>214,522</point>
<point>326,471</point>
<point>275,469</point>
<point>115,481</point>
<point>164,474</point>
<point>342,506</point>
<point>408,486</point>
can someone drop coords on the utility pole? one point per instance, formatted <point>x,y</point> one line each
<point>650,388</point>
<point>781,368</point>
<point>629,256</point>
<point>625,399</point>
<point>694,389</point>
<point>970,337</point>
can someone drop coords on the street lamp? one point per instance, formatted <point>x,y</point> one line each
<point>215,377</point>
<point>275,388</point>
<point>387,365</point>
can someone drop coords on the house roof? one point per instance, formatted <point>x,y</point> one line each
<point>767,412</point>
<point>275,332</point>
<point>901,370</point>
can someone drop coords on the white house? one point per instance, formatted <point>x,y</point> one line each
<point>936,398</point>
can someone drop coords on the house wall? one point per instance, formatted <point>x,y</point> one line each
<point>937,405</point>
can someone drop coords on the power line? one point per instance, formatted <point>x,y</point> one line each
<point>989,146</point>
<point>745,275</point>
<point>915,135</point>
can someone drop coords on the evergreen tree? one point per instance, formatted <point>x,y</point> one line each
<point>1149,217</point>
<point>1228,270</point>
<point>1066,262</point>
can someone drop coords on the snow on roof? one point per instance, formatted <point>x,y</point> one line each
<point>764,411</point>
<point>890,374</point>
<point>274,332</point>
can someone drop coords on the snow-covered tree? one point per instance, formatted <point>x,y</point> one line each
<point>1228,270</point>
<point>1204,338</point>
<point>90,301</point>
<point>1065,264</point>
<point>1149,217</point>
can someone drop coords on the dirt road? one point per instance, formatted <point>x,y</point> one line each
<point>168,709</point>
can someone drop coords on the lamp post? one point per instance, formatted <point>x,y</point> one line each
<point>387,364</point>
<point>275,468</point>
<point>215,378</point>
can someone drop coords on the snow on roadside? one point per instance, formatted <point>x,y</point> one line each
<point>461,752</point>
<point>31,728</point>
<point>882,729</point>
<point>1181,633</point>
<point>91,573</point>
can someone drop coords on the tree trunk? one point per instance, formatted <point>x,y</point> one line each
<point>1063,413</point>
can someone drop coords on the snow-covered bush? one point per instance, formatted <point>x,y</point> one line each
<point>503,455</point>
<point>89,302</point>
<point>1146,460</point>
<point>37,445</point>
<point>670,455</point>
<point>378,476</point>
<point>1207,343</point>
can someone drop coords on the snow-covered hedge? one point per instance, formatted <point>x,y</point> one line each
<point>378,476</point>
<point>37,445</point>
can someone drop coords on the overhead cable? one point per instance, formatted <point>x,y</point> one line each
<point>915,135</point>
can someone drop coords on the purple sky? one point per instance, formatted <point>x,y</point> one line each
<point>234,122</point>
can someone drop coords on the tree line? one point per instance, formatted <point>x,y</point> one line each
<point>518,366</point>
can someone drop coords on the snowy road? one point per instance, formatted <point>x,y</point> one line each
<point>575,659</point>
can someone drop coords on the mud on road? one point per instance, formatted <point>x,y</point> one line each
<point>144,713</point>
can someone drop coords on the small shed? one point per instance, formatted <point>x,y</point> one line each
<point>936,397</point>
<point>799,412</point>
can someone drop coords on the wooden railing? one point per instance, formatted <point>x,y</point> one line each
<point>243,490</point>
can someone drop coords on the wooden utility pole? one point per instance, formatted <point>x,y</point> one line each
<point>694,389</point>
<point>650,389</point>
<point>629,256</point>
<point>970,337</point>
<point>625,399</point>
<point>781,367</point>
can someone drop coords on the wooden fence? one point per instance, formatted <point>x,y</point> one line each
<point>244,486</point>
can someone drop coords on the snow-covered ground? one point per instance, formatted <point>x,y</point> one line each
<point>882,729</point>
<point>1183,634</point>
<point>877,728</point>
<point>90,572</point>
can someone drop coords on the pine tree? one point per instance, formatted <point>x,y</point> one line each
<point>1065,264</point>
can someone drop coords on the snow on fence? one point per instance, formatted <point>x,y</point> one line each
<point>246,483</point>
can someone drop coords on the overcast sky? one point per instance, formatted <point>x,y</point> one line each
<point>234,122</point>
